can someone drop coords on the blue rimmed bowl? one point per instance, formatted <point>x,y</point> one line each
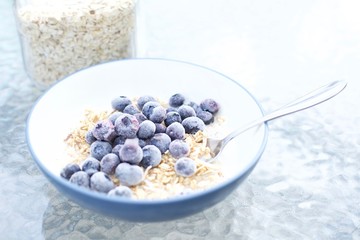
<point>62,107</point>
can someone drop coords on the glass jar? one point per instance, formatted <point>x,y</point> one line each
<point>59,37</point>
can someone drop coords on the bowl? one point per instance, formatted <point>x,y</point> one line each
<point>62,107</point>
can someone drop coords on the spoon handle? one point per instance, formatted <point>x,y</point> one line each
<point>311,99</point>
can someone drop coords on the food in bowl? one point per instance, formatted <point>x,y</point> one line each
<point>145,148</point>
<point>62,107</point>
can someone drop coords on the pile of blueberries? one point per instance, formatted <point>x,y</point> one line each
<point>134,137</point>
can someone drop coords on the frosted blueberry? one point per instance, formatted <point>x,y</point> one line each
<point>91,165</point>
<point>104,130</point>
<point>119,103</point>
<point>179,148</point>
<point>185,167</point>
<point>131,109</point>
<point>176,100</point>
<point>140,117</point>
<point>69,170</point>
<point>114,116</point>
<point>127,125</point>
<point>116,149</point>
<point>151,156</point>
<point>99,149</point>
<point>175,131</point>
<point>81,179</point>
<point>89,137</point>
<point>158,114</point>
<point>149,107</point>
<point>172,117</point>
<point>160,128</point>
<point>119,140</point>
<point>195,106</point>
<point>146,129</point>
<point>161,141</point>
<point>210,105</point>
<point>101,182</point>
<point>121,191</point>
<point>109,163</point>
<point>143,142</point>
<point>131,152</point>
<point>129,175</point>
<point>193,124</point>
<point>186,111</point>
<point>144,99</point>
<point>206,117</point>
<point>171,109</point>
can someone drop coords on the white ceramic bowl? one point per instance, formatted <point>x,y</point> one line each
<point>61,108</point>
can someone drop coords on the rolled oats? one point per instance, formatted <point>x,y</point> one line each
<point>159,182</point>
<point>61,37</point>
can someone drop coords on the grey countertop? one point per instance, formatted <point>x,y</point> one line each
<point>307,183</point>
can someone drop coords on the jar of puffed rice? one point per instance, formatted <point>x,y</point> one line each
<point>59,37</point>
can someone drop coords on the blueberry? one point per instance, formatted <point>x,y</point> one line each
<point>89,137</point>
<point>81,179</point>
<point>160,128</point>
<point>158,114</point>
<point>176,100</point>
<point>116,149</point>
<point>206,117</point>
<point>119,103</point>
<point>186,111</point>
<point>149,107</point>
<point>121,191</point>
<point>99,149</point>
<point>119,140</point>
<point>127,125</point>
<point>109,163</point>
<point>143,142</point>
<point>179,148</point>
<point>171,109</point>
<point>104,130</point>
<point>131,109</point>
<point>161,141</point>
<point>69,170</point>
<point>140,117</point>
<point>210,105</point>
<point>195,106</point>
<point>151,156</point>
<point>175,131</point>
<point>146,129</point>
<point>91,165</point>
<point>101,182</point>
<point>131,152</point>
<point>185,167</point>
<point>129,175</point>
<point>193,124</point>
<point>172,117</point>
<point>114,116</point>
<point>144,99</point>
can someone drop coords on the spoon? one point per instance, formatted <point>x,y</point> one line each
<point>311,99</point>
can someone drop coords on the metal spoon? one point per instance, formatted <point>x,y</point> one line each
<point>311,99</point>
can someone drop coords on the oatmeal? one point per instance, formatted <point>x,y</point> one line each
<point>148,168</point>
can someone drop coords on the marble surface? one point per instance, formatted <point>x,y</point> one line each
<point>307,184</point>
